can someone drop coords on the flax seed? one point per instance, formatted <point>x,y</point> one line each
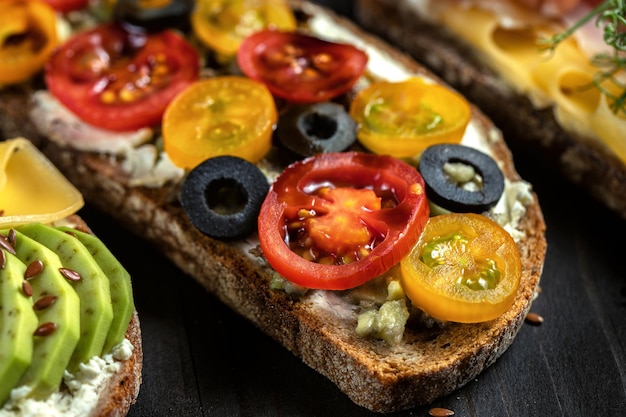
<point>70,274</point>
<point>4,243</point>
<point>45,329</point>
<point>44,302</point>
<point>440,412</point>
<point>534,318</point>
<point>12,237</point>
<point>3,259</point>
<point>27,289</point>
<point>33,269</point>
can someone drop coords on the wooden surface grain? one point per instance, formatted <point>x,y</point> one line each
<point>200,359</point>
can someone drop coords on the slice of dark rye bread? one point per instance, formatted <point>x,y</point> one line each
<point>581,160</point>
<point>429,362</point>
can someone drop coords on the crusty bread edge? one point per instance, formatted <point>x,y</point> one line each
<point>579,159</point>
<point>122,389</point>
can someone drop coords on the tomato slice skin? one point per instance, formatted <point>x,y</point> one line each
<point>223,24</point>
<point>65,6</point>
<point>404,118</point>
<point>301,68</point>
<point>228,115</point>
<point>304,194</point>
<point>465,268</point>
<point>120,80</point>
<point>28,36</point>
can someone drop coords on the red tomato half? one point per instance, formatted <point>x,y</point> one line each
<point>300,68</point>
<point>65,6</point>
<point>336,220</point>
<point>118,80</point>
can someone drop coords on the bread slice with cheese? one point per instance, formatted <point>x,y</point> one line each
<point>489,52</point>
<point>432,359</point>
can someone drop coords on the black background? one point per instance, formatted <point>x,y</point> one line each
<point>202,359</point>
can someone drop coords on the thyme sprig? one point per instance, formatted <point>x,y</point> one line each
<point>610,16</point>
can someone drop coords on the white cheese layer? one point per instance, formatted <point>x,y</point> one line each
<point>508,40</point>
<point>83,389</point>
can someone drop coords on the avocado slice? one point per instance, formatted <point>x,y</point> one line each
<point>120,282</point>
<point>96,310</point>
<point>44,375</point>
<point>18,322</point>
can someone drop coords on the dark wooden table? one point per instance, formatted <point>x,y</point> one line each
<point>203,360</point>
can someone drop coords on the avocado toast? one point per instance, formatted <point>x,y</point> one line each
<point>71,343</point>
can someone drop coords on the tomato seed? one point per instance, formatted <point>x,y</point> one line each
<point>33,269</point>
<point>440,412</point>
<point>45,329</point>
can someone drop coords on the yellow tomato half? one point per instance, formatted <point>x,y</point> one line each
<point>28,35</point>
<point>229,115</point>
<point>402,119</point>
<point>465,268</point>
<point>223,24</point>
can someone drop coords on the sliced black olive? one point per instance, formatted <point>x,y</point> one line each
<point>443,189</point>
<point>141,14</point>
<point>223,195</point>
<point>316,128</point>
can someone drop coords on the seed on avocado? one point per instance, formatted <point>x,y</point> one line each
<point>70,274</point>
<point>3,259</point>
<point>12,236</point>
<point>4,243</point>
<point>27,289</point>
<point>45,329</point>
<point>44,302</point>
<point>33,269</point>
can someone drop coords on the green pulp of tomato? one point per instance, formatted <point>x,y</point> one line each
<point>476,275</point>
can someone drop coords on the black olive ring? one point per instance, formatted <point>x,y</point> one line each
<point>316,128</point>
<point>223,195</point>
<point>445,193</point>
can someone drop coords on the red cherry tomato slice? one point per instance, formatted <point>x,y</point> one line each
<point>118,80</point>
<point>300,68</point>
<point>336,220</point>
<point>65,6</point>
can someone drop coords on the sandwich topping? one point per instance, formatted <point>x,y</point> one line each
<point>66,302</point>
<point>570,61</point>
<point>338,223</point>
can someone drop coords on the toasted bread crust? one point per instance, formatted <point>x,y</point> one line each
<point>123,388</point>
<point>579,159</point>
<point>429,363</point>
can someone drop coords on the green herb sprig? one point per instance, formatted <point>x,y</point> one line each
<point>610,16</point>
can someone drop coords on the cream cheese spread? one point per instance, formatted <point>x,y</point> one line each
<point>80,393</point>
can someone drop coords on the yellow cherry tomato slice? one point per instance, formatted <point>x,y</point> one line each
<point>223,24</point>
<point>402,119</point>
<point>465,268</point>
<point>229,115</point>
<point>28,35</point>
